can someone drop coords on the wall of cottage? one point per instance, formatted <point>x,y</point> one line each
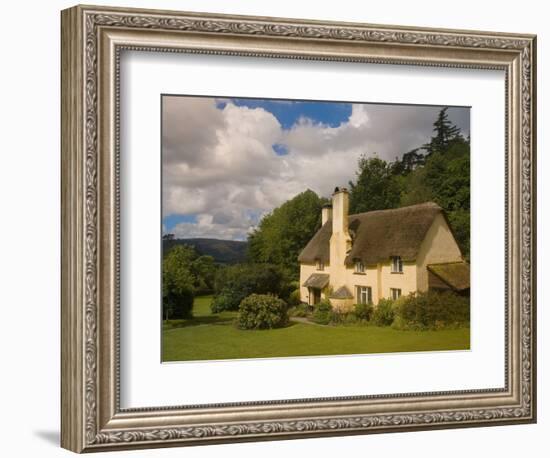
<point>305,271</point>
<point>439,246</point>
<point>352,279</point>
<point>406,281</point>
<point>378,277</point>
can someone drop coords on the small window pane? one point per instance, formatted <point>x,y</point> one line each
<point>395,293</point>
<point>397,264</point>
<point>364,294</point>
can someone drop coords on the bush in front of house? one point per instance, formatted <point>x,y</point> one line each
<point>432,310</point>
<point>363,312</point>
<point>262,311</point>
<point>294,298</point>
<point>301,310</point>
<point>383,313</point>
<point>343,318</point>
<point>236,282</point>
<point>322,313</point>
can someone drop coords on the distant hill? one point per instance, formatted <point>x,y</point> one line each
<point>223,251</point>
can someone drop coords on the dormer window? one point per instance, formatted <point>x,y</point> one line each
<point>359,267</point>
<point>320,265</point>
<point>396,265</point>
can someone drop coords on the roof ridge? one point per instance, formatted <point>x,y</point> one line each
<point>388,210</point>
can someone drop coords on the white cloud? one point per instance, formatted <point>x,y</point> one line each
<point>359,116</point>
<point>220,165</point>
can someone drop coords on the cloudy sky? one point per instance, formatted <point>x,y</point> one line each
<point>226,162</point>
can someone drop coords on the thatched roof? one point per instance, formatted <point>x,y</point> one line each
<point>454,274</point>
<point>378,235</point>
<point>316,281</point>
<point>342,293</point>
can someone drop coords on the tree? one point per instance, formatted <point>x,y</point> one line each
<point>445,179</point>
<point>203,269</point>
<point>177,283</point>
<point>445,133</point>
<point>234,283</point>
<point>375,188</point>
<point>415,189</point>
<point>282,234</point>
<point>411,160</point>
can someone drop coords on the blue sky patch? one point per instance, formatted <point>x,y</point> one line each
<point>280,149</point>
<point>170,221</point>
<point>288,112</point>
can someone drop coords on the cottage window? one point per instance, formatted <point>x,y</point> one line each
<point>359,267</point>
<point>320,265</point>
<point>395,293</point>
<point>396,264</point>
<point>364,294</point>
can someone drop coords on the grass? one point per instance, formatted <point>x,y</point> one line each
<point>201,315</point>
<point>207,336</point>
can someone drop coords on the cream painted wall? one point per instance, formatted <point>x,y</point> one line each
<point>405,281</point>
<point>352,279</point>
<point>305,271</point>
<point>438,246</point>
<point>379,278</point>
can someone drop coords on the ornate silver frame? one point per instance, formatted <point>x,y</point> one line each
<point>92,39</point>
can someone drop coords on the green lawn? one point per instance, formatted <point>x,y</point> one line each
<point>209,336</point>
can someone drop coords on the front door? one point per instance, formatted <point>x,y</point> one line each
<point>316,296</point>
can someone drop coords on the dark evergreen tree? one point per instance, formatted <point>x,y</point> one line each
<point>412,160</point>
<point>445,134</point>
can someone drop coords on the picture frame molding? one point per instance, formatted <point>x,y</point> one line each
<point>92,40</point>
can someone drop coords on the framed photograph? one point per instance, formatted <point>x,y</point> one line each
<point>277,228</point>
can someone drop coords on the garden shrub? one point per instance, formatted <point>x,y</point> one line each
<point>294,285</point>
<point>234,283</point>
<point>338,317</point>
<point>399,323</point>
<point>262,311</point>
<point>384,313</point>
<point>351,318</point>
<point>301,310</point>
<point>433,310</point>
<point>363,311</point>
<point>294,298</point>
<point>322,313</point>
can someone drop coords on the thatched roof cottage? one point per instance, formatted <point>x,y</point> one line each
<point>365,257</point>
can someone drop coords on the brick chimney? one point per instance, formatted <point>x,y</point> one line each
<point>340,241</point>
